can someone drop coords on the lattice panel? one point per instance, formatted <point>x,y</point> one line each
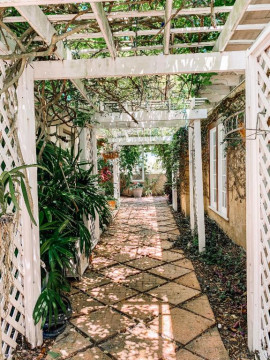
<point>11,305</point>
<point>263,68</point>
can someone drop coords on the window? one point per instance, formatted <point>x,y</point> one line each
<point>218,171</point>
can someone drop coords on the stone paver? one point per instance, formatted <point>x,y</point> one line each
<point>209,346</point>
<point>119,273</point>
<point>67,344</point>
<point>91,354</point>
<point>112,293</point>
<point>180,325</point>
<point>144,263</point>
<point>144,281</point>
<point>169,271</point>
<point>102,324</point>
<point>141,299</point>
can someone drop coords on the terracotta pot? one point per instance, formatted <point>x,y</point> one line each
<point>137,193</point>
<point>112,204</point>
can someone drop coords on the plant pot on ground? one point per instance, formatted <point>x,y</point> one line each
<point>137,189</point>
<point>58,326</point>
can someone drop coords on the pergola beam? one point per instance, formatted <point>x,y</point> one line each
<point>103,23</point>
<point>142,124</point>
<point>153,32</point>
<point>155,115</point>
<point>144,140</point>
<point>141,66</point>
<point>167,28</point>
<point>39,22</point>
<point>160,47</point>
<point>132,14</point>
<point>232,23</point>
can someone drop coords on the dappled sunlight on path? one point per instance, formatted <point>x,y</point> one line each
<point>141,299</point>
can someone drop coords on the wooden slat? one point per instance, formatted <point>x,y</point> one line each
<point>232,22</point>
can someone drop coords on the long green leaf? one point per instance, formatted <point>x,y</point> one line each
<point>26,200</point>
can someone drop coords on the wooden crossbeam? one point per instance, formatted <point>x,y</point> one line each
<point>127,14</point>
<point>103,23</point>
<point>167,29</point>
<point>234,18</point>
<point>160,47</point>
<point>141,66</point>
<point>143,140</point>
<point>154,115</point>
<point>153,32</point>
<point>39,22</point>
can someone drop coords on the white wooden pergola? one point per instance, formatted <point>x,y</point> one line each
<point>242,48</point>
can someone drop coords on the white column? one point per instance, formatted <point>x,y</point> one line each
<point>174,192</point>
<point>30,232</point>
<point>199,185</point>
<point>252,208</point>
<point>191,178</point>
<point>116,177</point>
<point>88,152</point>
<point>95,172</point>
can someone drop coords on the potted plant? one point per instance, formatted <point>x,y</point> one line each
<point>137,189</point>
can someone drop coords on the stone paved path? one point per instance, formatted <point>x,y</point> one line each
<point>141,299</point>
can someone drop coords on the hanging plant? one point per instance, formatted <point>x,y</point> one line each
<point>110,155</point>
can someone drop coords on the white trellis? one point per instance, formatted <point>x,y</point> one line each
<point>258,194</point>
<point>196,183</point>
<point>17,146</point>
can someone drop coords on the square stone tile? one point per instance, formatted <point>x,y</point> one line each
<point>102,323</point>
<point>189,280</point>
<point>143,307</point>
<point>83,304</point>
<point>201,307</point>
<point>144,263</point>
<point>144,281</point>
<point>67,344</point>
<point>166,245</point>
<point>140,344</point>
<point>186,355</point>
<point>91,354</point>
<point>180,325</point>
<point>174,232</point>
<point>101,262</point>
<point>169,256</point>
<point>119,273</point>
<point>173,293</point>
<point>150,251</point>
<point>111,293</point>
<point>124,256</point>
<point>209,346</point>
<point>184,263</point>
<point>90,280</point>
<point>169,271</point>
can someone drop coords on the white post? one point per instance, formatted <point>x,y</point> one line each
<point>191,178</point>
<point>88,148</point>
<point>116,177</point>
<point>252,208</point>
<point>95,172</point>
<point>30,232</point>
<point>199,185</point>
<point>174,192</point>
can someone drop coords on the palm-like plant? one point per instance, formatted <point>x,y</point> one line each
<point>66,199</point>
<point>9,194</point>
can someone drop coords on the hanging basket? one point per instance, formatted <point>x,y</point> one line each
<point>111,155</point>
